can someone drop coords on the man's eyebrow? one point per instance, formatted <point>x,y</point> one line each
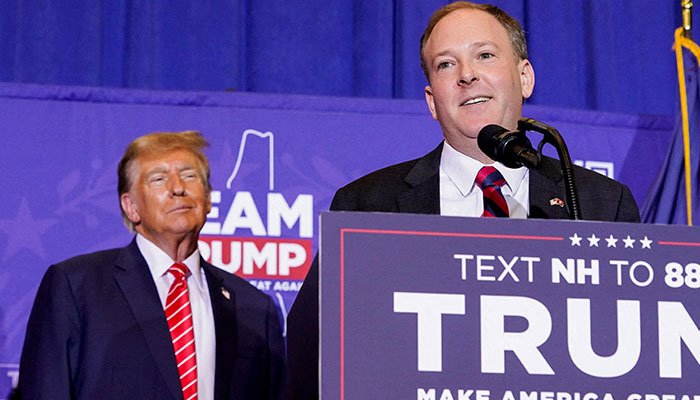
<point>475,45</point>
<point>187,167</point>
<point>443,53</point>
<point>484,43</point>
<point>155,170</point>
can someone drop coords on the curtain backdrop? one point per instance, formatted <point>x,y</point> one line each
<point>608,55</point>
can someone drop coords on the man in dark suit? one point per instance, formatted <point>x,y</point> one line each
<point>475,59</point>
<point>153,320</point>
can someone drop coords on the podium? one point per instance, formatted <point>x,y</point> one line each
<point>438,308</point>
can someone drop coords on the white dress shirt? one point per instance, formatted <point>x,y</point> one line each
<point>461,196</point>
<point>202,316</point>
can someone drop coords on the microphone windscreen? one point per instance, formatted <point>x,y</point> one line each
<point>488,139</point>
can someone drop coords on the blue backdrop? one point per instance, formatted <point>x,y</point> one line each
<point>609,55</point>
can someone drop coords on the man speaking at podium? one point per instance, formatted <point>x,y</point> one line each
<point>475,59</point>
<point>153,320</point>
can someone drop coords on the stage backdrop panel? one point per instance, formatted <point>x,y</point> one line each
<point>276,162</point>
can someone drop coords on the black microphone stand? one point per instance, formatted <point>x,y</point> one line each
<point>553,137</point>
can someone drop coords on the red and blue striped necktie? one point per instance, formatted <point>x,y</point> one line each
<point>490,182</point>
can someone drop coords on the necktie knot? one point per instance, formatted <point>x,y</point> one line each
<point>179,271</point>
<point>489,176</point>
<point>490,182</point>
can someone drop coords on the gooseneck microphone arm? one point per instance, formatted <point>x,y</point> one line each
<point>553,137</point>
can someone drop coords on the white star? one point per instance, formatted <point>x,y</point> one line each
<point>629,242</point>
<point>575,240</point>
<point>612,242</point>
<point>593,241</point>
<point>646,243</point>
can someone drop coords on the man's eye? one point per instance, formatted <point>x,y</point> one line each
<point>444,64</point>
<point>485,55</point>
<point>189,175</point>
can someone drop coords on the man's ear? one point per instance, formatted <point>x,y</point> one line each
<point>208,204</point>
<point>130,208</point>
<point>527,78</point>
<point>431,101</point>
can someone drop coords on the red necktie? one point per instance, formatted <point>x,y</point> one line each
<point>490,182</point>
<point>179,316</point>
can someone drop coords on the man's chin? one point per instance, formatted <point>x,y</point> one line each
<point>185,228</point>
<point>463,138</point>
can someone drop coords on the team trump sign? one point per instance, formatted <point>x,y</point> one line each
<point>438,308</point>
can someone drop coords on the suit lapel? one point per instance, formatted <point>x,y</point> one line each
<point>424,179</point>
<point>546,186</point>
<point>136,283</point>
<point>223,304</point>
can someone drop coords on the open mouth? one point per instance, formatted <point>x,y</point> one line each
<point>476,100</point>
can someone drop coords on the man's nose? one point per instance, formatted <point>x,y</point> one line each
<point>467,74</point>
<point>177,185</point>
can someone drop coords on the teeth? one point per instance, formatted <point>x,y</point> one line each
<point>476,100</point>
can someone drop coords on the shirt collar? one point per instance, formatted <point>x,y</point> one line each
<point>462,170</point>
<point>159,261</point>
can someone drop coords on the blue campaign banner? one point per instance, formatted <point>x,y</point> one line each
<point>276,162</point>
<point>436,308</point>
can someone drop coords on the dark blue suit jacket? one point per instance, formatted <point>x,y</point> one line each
<point>97,330</point>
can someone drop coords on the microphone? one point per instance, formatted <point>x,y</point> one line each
<point>512,149</point>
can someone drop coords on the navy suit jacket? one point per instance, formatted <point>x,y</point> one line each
<point>97,330</point>
<point>414,187</point>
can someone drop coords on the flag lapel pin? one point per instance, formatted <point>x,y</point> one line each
<point>556,201</point>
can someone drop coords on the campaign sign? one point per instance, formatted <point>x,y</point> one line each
<point>446,308</point>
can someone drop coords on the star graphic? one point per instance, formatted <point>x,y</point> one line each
<point>646,243</point>
<point>575,240</point>
<point>24,231</point>
<point>612,242</point>
<point>593,241</point>
<point>629,242</point>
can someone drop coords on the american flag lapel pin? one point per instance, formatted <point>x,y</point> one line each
<point>556,201</point>
<point>226,293</point>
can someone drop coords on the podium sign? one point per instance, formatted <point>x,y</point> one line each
<point>440,308</point>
